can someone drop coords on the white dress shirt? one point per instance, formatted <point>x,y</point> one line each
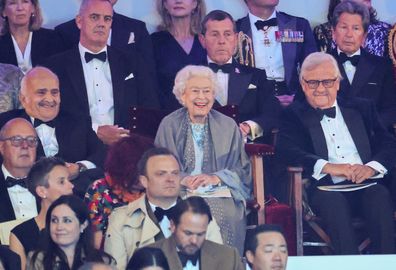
<point>165,222</point>
<point>349,68</point>
<point>23,202</point>
<point>190,266</point>
<point>50,144</point>
<point>99,86</point>
<point>341,148</point>
<point>24,60</point>
<point>268,57</point>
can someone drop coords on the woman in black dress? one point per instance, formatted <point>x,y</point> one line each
<point>48,180</point>
<point>176,44</point>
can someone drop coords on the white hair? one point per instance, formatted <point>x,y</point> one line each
<point>315,59</point>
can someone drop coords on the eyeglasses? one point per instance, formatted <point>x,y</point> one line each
<point>19,141</point>
<point>313,84</point>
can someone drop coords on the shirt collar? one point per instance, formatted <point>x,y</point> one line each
<point>153,206</point>
<point>83,50</point>
<point>358,52</point>
<point>254,18</point>
<point>6,173</point>
<point>211,61</point>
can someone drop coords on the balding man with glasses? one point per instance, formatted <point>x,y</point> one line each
<point>340,142</point>
<point>18,143</point>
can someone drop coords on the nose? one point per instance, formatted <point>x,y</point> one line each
<point>70,185</point>
<point>24,144</point>
<point>193,239</point>
<point>221,39</point>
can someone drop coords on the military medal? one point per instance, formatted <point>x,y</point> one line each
<point>267,41</point>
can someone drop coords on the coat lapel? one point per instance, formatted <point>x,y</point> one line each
<point>363,72</point>
<point>169,249</point>
<point>117,80</point>
<point>7,50</point>
<point>6,210</point>
<point>238,84</point>
<point>289,49</point>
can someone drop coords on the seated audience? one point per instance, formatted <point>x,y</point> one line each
<point>241,85</point>
<point>68,241</point>
<point>187,247</point>
<point>340,142</point>
<point>147,258</point>
<point>377,32</point>
<point>120,185</point>
<point>266,248</point>
<point>210,148</point>
<point>365,75</point>
<point>18,143</point>
<point>23,42</point>
<point>48,180</point>
<point>176,44</point>
<point>10,83</point>
<point>98,82</point>
<point>276,42</point>
<point>60,134</point>
<point>147,219</point>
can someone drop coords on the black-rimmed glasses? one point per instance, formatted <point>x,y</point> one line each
<point>313,84</point>
<point>18,141</point>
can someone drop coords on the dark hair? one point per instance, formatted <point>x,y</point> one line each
<point>251,241</point>
<point>92,265</point>
<point>122,158</point>
<point>156,151</point>
<point>217,15</point>
<point>332,5</point>
<point>147,256</point>
<point>38,174</point>
<point>194,204</point>
<point>351,7</point>
<point>52,253</point>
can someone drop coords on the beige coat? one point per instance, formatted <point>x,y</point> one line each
<point>130,227</point>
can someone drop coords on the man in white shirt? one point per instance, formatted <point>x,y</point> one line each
<point>147,219</point>
<point>278,43</point>
<point>340,141</point>
<point>18,142</point>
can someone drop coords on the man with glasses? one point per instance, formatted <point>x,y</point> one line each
<point>18,142</point>
<point>340,142</point>
<point>60,134</point>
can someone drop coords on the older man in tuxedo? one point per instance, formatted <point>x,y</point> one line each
<point>187,247</point>
<point>18,142</point>
<point>240,85</point>
<point>365,75</point>
<point>278,43</point>
<point>60,134</point>
<point>340,142</point>
<point>99,82</point>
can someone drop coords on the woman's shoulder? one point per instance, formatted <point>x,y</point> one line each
<point>160,36</point>
<point>174,117</point>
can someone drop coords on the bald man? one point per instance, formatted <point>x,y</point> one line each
<point>61,135</point>
<point>18,143</point>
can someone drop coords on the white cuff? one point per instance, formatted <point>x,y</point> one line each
<point>95,127</point>
<point>88,164</point>
<point>255,130</point>
<point>378,167</point>
<point>317,169</point>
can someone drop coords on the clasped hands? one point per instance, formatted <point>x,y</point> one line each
<point>356,173</point>
<point>194,181</point>
<point>110,134</point>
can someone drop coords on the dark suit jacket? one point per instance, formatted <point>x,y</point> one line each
<point>121,29</point>
<point>373,80</point>
<point>213,256</point>
<point>6,210</point>
<point>301,141</point>
<point>76,139</point>
<point>45,43</point>
<point>139,90</point>
<point>256,104</point>
<point>294,53</point>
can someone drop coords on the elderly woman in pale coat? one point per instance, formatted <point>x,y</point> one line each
<point>210,149</point>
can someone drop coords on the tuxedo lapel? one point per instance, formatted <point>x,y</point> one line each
<point>238,84</point>
<point>208,258</point>
<point>117,79</point>
<point>312,122</point>
<point>355,125</point>
<point>6,210</point>
<point>289,49</point>
<point>170,250</point>
<point>363,72</point>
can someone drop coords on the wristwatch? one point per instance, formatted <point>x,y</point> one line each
<point>81,167</point>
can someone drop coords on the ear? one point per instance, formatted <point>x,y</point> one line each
<point>2,148</point>
<point>172,226</point>
<point>78,21</point>
<point>143,180</point>
<point>41,191</point>
<point>83,226</point>
<point>201,38</point>
<point>249,256</point>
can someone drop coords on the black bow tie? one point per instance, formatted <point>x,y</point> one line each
<point>100,56</point>
<point>329,112</point>
<point>266,24</point>
<point>38,122</point>
<point>184,258</point>
<point>226,68</point>
<point>11,181</point>
<point>353,59</point>
<point>160,213</point>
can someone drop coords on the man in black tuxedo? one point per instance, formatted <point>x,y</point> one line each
<point>18,142</point>
<point>340,142</point>
<point>127,34</point>
<point>99,82</point>
<point>276,42</point>
<point>365,75</point>
<point>240,85</point>
<point>61,135</point>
